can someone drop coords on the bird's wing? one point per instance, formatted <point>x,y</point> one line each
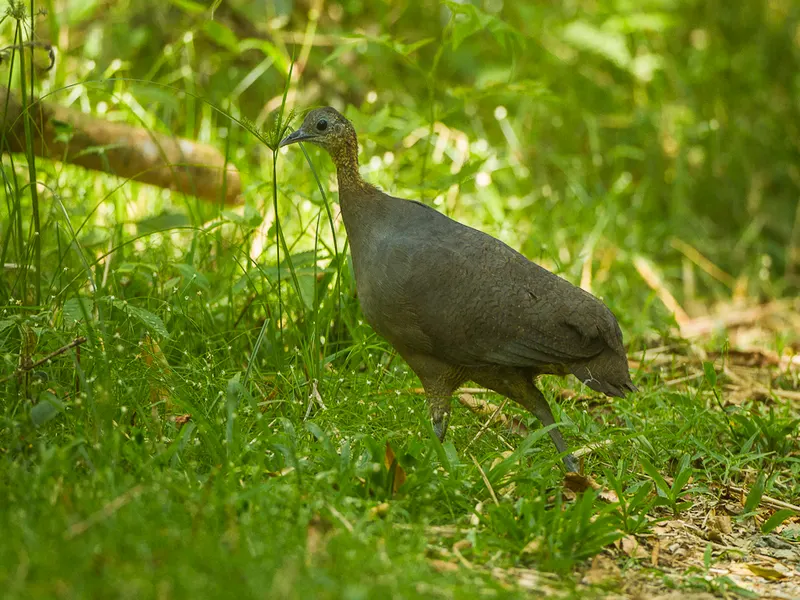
<point>479,302</point>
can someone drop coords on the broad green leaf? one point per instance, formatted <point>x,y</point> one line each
<point>76,310</point>
<point>778,517</point>
<point>608,44</point>
<point>756,492</point>
<point>190,274</point>
<point>46,409</point>
<point>145,317</point>
<point>222,35</point>
<point>162,222</point>
<point>660,482</point>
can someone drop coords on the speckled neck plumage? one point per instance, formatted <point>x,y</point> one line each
<point>345,157</point>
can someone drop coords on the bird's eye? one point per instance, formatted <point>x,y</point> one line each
<point>322,125</point>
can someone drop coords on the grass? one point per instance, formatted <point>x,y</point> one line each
<point>223,428</point>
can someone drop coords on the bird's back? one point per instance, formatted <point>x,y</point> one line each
<point>432,285</point>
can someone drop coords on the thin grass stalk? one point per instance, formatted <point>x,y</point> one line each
<point>26,117</point>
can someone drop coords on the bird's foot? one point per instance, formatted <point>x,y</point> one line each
<point>571,463</point>
<point>440,425</point>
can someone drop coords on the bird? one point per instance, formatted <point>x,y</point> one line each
<point>460,305</point>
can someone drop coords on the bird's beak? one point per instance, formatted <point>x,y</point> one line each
<point>296,136</point>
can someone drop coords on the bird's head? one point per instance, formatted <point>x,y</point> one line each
<point>328,128</point>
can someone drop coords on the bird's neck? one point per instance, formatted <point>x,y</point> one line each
<point>351,184</point>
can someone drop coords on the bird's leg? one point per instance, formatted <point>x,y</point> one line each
<point>440,380</point>
<point>519,386</point>
<point>440,414</point>
<point>535,402</point>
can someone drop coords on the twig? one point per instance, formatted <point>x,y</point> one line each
<point>589,448</point>
<point>488,422</point>
<point>485,480</point>
<point>104,513</point>
<point>27,367</point>
<point>656,282</point>
<point>762,389</point>
<point>701,261</point>
<point>769,500</point>
<point>341,518</point>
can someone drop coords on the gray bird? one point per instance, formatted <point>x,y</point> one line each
<point>459,305</point>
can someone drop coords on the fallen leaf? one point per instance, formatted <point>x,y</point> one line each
<point>533,547</point>
<point>631,546</point>
<point>390,461</point>
<point>316,533</point>
<point>181,420</point>
<point>443,566</point>
<point>766,572</point>
<point>603,571</point>
<point>488,410</point>
<point>654,554</point>
<point>578,484</point>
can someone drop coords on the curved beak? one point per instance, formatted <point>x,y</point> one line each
<point>298,135</point>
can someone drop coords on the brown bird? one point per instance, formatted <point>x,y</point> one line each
<point>460,305</point>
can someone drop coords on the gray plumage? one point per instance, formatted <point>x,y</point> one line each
<point>458,304</point>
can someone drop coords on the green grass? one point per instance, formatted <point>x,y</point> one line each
<point>277,485</point>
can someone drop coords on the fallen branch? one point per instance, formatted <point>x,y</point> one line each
<point>71,136</point>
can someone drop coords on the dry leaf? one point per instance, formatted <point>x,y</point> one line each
<point>390,462</point>
<point>533,547</point>
<point>718,526</point>
<point>182,420</point>
<point>603,571</point>
<point>631,546</point>
<point>579,483</point>
<point>443,566</point>
<point>487,410</point>
<point>316,533</point>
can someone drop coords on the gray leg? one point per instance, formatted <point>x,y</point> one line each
<point>518,385</point>
<point>440,415</point>
<point>535,402</point>
<point>440,381</point>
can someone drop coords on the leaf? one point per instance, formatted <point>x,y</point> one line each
<point>222,35</point>
<point>778,517</point>
<point>76,310</point>
<point>396,472</point>
<point>162,222</point>
<point>188,6</point>
<point>6,323</point>
<point>467,20</point>
<point>711,374</point>
<point>145,317</point>
<point>767,572</point>
<point>190,274</point>
<point>660,482</point>
<point>756,492</point>
<point>46,409</point>
<point>684,473</point>
<point>608,44</point>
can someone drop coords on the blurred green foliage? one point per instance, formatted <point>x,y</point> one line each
<point>677,117</point>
